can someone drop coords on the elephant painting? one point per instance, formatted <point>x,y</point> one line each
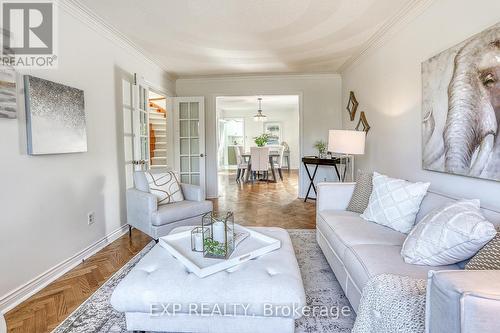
<point>461,108</point>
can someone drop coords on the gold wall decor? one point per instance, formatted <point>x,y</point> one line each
<point>363,123</point>
<point>352,105</point>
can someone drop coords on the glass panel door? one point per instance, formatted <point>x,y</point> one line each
<point>140,123</point>
<point>190,140</point>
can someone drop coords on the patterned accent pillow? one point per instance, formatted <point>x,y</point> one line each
<point>488,258</point>
<point>362,191</point>
<point>165,187</point>
<point>394,202</point>
<point>448,235</point>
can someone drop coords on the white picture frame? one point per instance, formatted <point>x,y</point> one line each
<point>274,128</point>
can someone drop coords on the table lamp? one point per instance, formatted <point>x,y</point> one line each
<point>348,143</point>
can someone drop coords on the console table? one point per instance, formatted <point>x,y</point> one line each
<point>316,161</point>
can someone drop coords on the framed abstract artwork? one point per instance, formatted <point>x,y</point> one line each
<point>275,131</point>
<point>8,100</point>
<point>461,108</point>
<point>55,117</point>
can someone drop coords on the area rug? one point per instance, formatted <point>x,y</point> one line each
<point>330,309</point>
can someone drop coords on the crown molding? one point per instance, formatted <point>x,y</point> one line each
<point>100,25</point>
<point>408,13</point>
<point>257,76</point>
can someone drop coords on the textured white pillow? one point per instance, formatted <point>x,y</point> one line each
<point>394,202</point>
<point>165,187</point>
<point>448,235</point>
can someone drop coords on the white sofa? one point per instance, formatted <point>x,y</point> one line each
<point>358,250</point>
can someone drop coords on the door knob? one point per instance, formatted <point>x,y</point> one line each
<point>201,155</point>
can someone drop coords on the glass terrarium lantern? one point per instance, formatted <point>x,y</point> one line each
<point>220,243</point>
<point>198,234</point>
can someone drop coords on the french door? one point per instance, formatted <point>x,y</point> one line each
<point>140,124</point>
<point>189,140</point>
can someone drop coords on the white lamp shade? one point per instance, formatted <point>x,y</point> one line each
<point>346,142</point>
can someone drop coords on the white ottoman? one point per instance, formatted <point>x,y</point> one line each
<point>261,295</point>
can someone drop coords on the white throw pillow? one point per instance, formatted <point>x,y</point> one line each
<point>448,235</point>
<point>394,202</point>
<point>165,187</point>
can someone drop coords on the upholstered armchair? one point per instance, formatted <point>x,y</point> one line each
<point>144,213</point>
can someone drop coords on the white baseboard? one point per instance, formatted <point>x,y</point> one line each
<point>15,297</point>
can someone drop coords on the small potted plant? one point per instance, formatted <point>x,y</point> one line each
<point>320,145</point>
<point>262,139</point>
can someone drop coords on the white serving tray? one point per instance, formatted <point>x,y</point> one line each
<point>255,245</point>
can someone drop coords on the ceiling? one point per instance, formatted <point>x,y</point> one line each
<point>274,102</point>
<point>207,37</point>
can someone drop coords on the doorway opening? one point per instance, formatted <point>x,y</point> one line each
<point>239,123</point>
<point>157,124</point>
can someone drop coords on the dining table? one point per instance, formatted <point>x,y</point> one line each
<point>272,156</point>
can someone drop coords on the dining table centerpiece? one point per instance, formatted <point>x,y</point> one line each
<point>262,139</point>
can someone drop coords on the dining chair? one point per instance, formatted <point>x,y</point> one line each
<point>281,151</point>
<point>273,148</point>
<point>242,165</point>
<point>259,161</point>
<point>286,155</point>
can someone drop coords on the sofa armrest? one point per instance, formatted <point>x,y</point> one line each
<point>463,301</point>
<point>192,192</point>
<point>334,195</point>
<point>140,208</point>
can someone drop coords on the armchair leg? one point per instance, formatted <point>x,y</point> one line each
<point>281,173</point>
<point>129,231</point>
<point>238,175</point>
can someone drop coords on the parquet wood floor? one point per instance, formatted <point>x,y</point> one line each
<point>266,204</point>
<point>257,204</point>
<point>43,311</point>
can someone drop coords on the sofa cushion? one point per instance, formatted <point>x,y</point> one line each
<point>179,211</point>
<point>345,230</point>
<point>447,235</point>
<point>394,202</point>
<point>338,217</point>
<point>366,261</point>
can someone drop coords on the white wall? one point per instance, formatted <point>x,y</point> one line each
<point>321,109</point>
<point>387,83</point>
<point>44,200</point>
<point>289,119</point>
